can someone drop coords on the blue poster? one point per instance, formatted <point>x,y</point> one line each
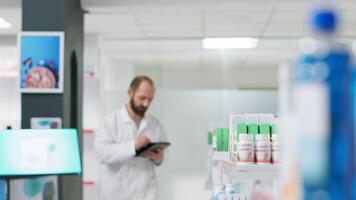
<point>41,64</point>
<point>3,190</point>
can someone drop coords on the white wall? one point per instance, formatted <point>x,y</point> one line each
<point>186,105</point>
<point>9,90</point>
<point>187,100</point>
<point>9,103</point>
<point>186,115</point>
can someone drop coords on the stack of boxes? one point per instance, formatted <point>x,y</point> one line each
<point>261,127</point>
<point>251,139</point>
<point>253,136</point>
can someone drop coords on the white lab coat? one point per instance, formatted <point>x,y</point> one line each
<point>124,176</point>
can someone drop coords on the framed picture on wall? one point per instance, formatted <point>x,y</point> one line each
<point>41,62</point>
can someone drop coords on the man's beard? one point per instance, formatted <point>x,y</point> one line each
<point>139,110</point>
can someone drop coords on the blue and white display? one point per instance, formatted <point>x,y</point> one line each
<point>39,152</point>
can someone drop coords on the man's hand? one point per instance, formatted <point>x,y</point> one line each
<point>156,155</point>
<point>141,141</point>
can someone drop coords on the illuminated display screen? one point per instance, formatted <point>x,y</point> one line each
<point>39,152</point>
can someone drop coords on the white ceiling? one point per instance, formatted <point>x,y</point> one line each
<point>223,18</point>
<point>168,33</point>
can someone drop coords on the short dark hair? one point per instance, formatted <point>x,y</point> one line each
<point>136,82</point>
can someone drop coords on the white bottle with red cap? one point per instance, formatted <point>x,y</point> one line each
<point>263,149</point>
<point>245,148</point>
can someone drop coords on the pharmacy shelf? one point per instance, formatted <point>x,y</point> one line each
<point>243,171</point>
<point>217,156</point>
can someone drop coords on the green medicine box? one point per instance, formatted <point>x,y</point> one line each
<point>219,139</point>
<point>225,139</point>
<point>253,129</point>
<point>239,128</point>
<point>265,129</point>
<point>210,138</point>
<point>274,129</point>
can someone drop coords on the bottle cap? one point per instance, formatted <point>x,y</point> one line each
<point>324,20</point>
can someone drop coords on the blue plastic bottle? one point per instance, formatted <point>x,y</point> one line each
<point>353,92</point>
<point>324,111</point>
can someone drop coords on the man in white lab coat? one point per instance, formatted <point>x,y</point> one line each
<point>124,176</point>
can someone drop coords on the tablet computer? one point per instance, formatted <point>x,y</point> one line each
<point>152,147</point>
